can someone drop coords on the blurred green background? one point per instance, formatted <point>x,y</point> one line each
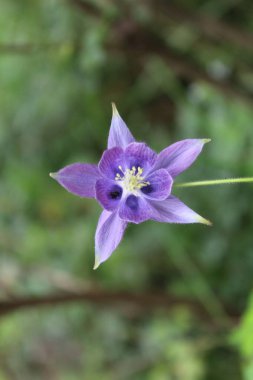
<point>175,70</point>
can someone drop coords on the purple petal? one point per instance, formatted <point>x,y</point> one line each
<point>140,155</point>
<point>110,162</point>
<point>119,134</point>
<point>108,193</point>
<point>172,210</point>
<point>134,209</point>
<point>179,156</point>
<point>109,233</point>
<point>79,179</point>
<point>160,183</point>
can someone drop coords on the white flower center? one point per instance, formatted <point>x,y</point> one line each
<point>132,180</point>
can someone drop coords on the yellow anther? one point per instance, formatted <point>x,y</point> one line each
<point>132,180</point>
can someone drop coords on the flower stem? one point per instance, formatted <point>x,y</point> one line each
<point>213,182</point>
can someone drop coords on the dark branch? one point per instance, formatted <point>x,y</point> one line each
<point>27,48</point>
<point>87,8</point>
<point>207,25</point>
<point>139,42</point>
<point>182,66</point>
<point>138,301</point>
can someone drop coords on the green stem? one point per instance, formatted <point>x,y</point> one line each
<point>215,182</point>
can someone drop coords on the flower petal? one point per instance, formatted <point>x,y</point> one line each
<point>160,185</point>
<point>108,193</point>
<point>179,156</point>
<point>172,210</point>
<point>110,162</point>
<point>134,209</point>
<point>79,179</point>
<point>119,134</point>
<point>140,155</point>
<point>109,233</point>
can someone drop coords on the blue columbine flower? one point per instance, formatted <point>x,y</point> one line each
<point>132,183</point>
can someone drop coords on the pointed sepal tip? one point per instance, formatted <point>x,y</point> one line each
<point>96,265</point>
<point>114,109</point>
<point>52,175</point>
<point>205,221</point>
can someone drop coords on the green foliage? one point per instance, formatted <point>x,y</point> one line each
<point>242,337</point>
<point>59,74</point>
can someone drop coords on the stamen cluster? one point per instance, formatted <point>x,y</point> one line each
<point>132,179</point>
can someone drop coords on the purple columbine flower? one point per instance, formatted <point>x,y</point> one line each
<point>132,183</point>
